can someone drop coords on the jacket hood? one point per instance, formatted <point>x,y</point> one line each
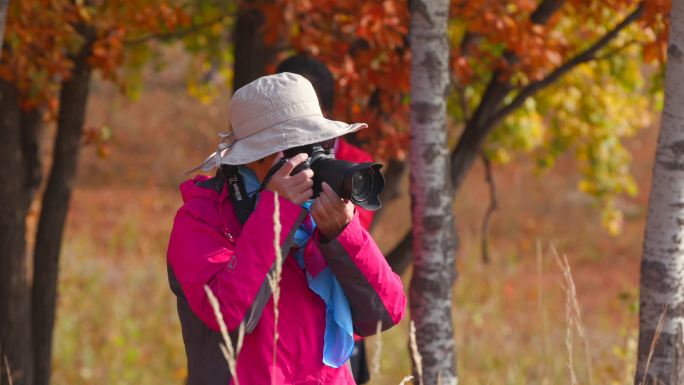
<point>189,189</point>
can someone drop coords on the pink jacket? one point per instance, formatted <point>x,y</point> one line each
<point>208,246</point>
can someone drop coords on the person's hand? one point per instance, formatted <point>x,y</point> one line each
<point>296,188</point>
<point>331,213</point>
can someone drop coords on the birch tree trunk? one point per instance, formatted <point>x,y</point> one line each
<point>662,266</point>
<point>431,195</point>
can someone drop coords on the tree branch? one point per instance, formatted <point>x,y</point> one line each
<point>493,205</point>
<point>616,50</point>
<point>175,33</point>
<point>583,57</point>
<point>498,89</point>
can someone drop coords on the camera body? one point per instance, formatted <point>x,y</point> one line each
<point>361,183</point>
<point>316,152</point>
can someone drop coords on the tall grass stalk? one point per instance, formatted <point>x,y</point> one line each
<point>274,278</point>
<point>377,353</point>
<point>417,359</point>
<point>9,372</point>
<point>574,318</point>
<point>229,353</point>
<point>656,337</point>
<point>543,314</point>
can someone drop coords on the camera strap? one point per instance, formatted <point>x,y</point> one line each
<point>242,203</point>
<point>272,171</point>
<point>243,207</point>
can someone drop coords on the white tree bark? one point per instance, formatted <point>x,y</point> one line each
<point>662,266</point>
<point>4,4</point>
<point>431,196</point>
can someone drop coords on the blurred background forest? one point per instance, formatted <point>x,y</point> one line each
<point>552,124</point>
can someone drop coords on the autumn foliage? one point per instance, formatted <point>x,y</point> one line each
<point>365,44</point>
<point>42,35</point>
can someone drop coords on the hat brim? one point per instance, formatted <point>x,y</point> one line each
<point>288,134</point>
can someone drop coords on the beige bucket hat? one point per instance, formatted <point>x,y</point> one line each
<point>272,114</point>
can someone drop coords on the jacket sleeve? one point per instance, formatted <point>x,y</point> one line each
<point>366,218</point>
<point>374,291</point>
<point>234,269</point>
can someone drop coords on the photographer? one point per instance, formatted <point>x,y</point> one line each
<point>323,82</point>
<point>335,281</point>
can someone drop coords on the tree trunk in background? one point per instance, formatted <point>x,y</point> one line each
<point>4,4</point>
<point>251,55</point>
<point>15,316</point>
<point>662,266</point>
<point>32,130</point>
<point>431,193</point>
<point>73,99</point>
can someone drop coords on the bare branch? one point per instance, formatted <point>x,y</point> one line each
<point>493,205</point>
<point>616,50</point>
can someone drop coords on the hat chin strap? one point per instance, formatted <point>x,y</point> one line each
<point>227,141</point>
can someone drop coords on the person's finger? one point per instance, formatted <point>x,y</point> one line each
<point>328,190</point>
<point>308,173</point>
<point>306,194</point>
<point>305,185</point>
<point>291,163</point>
<point>302,176</point>
<point>348,206</point>
<point>318,212</point>
<point>327,202</point>
<point>320,206</point>
<point>332,196</point>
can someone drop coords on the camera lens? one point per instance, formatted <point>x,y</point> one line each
<point>362,184</point>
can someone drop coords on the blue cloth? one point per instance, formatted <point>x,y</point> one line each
<point>250,180</point>
<point>338,339</point>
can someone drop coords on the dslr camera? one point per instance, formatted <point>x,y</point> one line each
<point>361,183</point>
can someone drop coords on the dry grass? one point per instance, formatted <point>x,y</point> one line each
<point>572,312</point>
<point>274,277</point>
<point>8,370</point>
<point>227,349</point>
<point>415,354</point>
<point>377,354</point>
<point>656,338</point>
